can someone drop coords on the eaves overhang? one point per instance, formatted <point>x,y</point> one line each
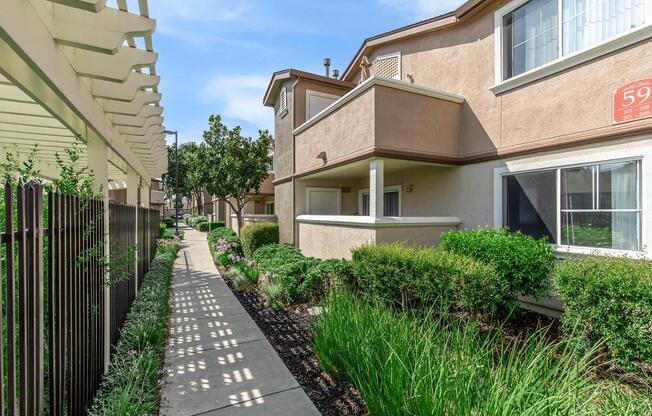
<point>279,76</point>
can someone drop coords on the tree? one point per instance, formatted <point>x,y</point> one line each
<point>189,175</point>
<point>233,165</point>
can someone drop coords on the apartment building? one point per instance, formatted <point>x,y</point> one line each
<point>529,114</point>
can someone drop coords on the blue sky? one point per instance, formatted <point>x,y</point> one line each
<point>217,56</point>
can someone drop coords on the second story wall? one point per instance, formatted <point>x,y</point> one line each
<point>283,137</point>
<point>565,108</point>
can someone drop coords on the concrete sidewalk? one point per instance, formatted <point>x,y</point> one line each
<point>218,362</point>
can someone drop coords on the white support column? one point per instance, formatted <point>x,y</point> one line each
<point>376,188</point>
<point>145,193</point>
<point>132,199</point>
<point>98,161</point>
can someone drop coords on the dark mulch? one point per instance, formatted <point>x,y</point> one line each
<point>289,332</point>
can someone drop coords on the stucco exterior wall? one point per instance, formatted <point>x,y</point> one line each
<point>300,96</point>
<point>283,136</point>
<point>349,200</point>
<point>342,134</point>
<point>332,242</point>
<point>561,109</point>
<point>284,207</point>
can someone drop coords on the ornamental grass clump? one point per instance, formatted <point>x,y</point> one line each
<point>425,363</point>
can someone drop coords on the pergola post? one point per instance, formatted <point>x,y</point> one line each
<point>98,161</point>
<point>376,188</point>
<point>133,190</point>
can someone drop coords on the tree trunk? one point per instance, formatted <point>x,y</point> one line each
<point>238,216</point>
<point>200,203</point>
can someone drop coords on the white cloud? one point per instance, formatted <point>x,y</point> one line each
<point>422,9</point>
<point>240,98</point>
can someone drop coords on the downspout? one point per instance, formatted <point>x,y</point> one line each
<point>295,239</point>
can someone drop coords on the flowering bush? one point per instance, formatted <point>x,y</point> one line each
<point>227,251</point>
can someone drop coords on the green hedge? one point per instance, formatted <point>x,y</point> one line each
<point>403,277</point>
<point>209,225</point>
<point>283,268</point>
<point>525,263</point>
<point>132,384</point>
<point>169,222</point>
<point>256,235</point>
<point>218,233</point>
<point>610,299</point>
<point>161,230</point>
<point>326,274</point>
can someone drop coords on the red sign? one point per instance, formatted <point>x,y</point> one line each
<point>633,101</point>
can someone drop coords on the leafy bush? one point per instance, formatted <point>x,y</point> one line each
<point>169,234</point>
<point>286,267</point>
<point>524,262</point>
<point>257,235</point>
<point>131,386</point>
<point>161,230</point>
<point>322,276</point>
<point>169,222</point>
<point>402,276</point>
<point>610,299</point>
<point>412,364</point>
<point>209,225</point>
<point>219,233</point>
<point>194,219</point>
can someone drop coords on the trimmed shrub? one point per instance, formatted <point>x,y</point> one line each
<point>209,225</point>
<point>285,267</point>
<point>169,222</point>
<point>161,230</point>
<point>525,263</point>
<point>256,235</point>
<point>132,384</point>
<point>610,299</point>
<point>332,273</point>
<point>218,233</point>
<point>401,276</point>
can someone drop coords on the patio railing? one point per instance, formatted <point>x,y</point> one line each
<point>53,285</point>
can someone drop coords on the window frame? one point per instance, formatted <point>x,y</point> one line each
<point>386,189</point>
<point>562,62</point>
<point>560,162</point>
<point>267,204</point>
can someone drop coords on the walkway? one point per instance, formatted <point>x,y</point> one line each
<point>218,362</point>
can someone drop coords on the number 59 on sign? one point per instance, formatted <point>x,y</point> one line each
<point>632,101</point>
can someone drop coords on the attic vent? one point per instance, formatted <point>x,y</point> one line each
<point>345,189</point>
<point>283,100</point>
<point>388,66</point>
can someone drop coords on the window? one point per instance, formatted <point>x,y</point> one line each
<point>317,101</point>
<point>323,201</point>
<point>388,66</point>
<point>537,32</point>
<point>599,205</point>
<point>391,202</point>
<point>269,207</point>
<point>283,100</point>
<point>270,163</point>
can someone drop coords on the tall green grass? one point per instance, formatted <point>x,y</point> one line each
<point>408,364</point>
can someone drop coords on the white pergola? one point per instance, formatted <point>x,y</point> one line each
<point>80,70</point>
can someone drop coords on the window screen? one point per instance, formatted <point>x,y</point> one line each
<point>529,204</point>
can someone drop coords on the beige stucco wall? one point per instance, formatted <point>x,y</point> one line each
<point>300,96</point>
<point>554,110</point>
<point>332,241</point>
<point>284,207</point>
<point>283,136</point>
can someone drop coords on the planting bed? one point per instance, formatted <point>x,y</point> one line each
<point>289,332</point>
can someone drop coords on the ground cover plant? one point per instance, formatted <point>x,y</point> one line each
<point>436,364</point>
<point>257,235</point>
<point>610,299</point>
<point>132,384</point>
<point>526,264</point>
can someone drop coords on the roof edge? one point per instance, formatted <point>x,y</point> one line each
<point>295,73</point>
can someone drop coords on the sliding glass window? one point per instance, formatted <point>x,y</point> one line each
<point>597,205</point>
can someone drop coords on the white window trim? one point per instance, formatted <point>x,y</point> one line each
<point>562,63</point>
<point>313,93</point>
<point>606,156</point>
<point>392,188</point>
<point>336,191</point>
<point>391,55</point>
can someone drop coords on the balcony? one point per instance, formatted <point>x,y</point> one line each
<point>381,118</point>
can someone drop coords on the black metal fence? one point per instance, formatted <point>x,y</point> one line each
<point>53,285</point>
